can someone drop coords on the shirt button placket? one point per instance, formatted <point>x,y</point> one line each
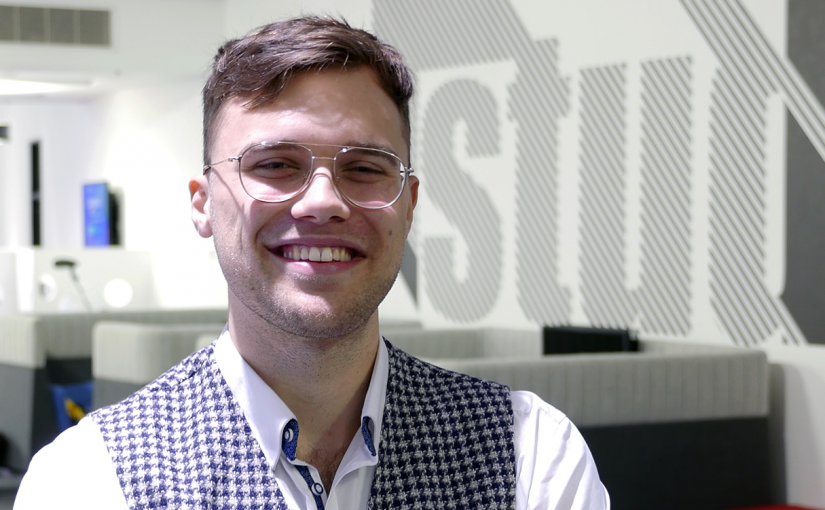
<point>315,488</point>
<point>289,444</point>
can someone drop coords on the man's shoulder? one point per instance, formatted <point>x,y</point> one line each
<point>408,369</point>
<point>185,377</point>
<point>77,462</point>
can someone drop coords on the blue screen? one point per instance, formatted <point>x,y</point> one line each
<point>96,213</point>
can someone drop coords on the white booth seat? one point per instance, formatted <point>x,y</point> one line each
<point>127,356</point>
<point>18,344</point>
<point>30,339</point>
<point>664,382</point>
<point>390,325</point>
<point>139,353</point>
<point>465,343</point>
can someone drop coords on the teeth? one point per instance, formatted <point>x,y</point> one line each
<point>318,254</point>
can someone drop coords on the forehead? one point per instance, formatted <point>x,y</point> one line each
<point>339,107</point>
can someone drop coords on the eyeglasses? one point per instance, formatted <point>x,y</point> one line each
<point>278,171</point>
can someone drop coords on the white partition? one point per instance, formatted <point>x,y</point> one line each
<point>107,279</point>
<point>8,283</point>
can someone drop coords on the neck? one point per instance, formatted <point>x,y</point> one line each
<point>323,381</point>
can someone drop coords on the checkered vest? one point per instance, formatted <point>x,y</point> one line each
<point>182,442</point>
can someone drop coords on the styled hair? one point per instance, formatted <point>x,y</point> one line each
<point>256,68</point>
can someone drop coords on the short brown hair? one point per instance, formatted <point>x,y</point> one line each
<point>258,67</point>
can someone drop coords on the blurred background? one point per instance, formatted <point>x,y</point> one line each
<point>646,164</point>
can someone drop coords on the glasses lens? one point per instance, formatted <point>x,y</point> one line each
<point>369,178</point>
<point>275,172</point>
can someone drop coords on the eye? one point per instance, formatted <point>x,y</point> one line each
<point>363,167</point>
<point>363,172</point>
<point>276,162</point>
<point>367,166</point>
<point>275,169</point>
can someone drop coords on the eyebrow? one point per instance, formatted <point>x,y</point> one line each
<point>369,145</point>
<point>349,143</point>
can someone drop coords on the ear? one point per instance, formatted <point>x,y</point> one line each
<point>199,193</point>
<point>413,200</point>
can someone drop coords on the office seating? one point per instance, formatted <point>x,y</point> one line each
<point>665,382</point>
<point>675,426</point>
<point>37,350</point>
<point>437,344</point>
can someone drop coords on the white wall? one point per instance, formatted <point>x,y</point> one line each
<point>478,264</point>
<point>147,144</point>
<point>63,130</point>
<point>240,16</point>
<point>143,137</point>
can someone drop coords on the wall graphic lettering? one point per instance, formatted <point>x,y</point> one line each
<point>639,187</point>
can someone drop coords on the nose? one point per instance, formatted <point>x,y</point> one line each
<point>320,202</point>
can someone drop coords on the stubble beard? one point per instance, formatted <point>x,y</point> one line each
<point>281,311</point>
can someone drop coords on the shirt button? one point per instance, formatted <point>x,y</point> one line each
<point>317,489</point>
<point>290,439</point>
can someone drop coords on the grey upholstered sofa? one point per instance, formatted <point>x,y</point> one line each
<point>37,350</point>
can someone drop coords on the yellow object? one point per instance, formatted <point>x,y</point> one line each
<point>75,412</point>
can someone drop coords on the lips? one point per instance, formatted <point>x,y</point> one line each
<point>317,253</point>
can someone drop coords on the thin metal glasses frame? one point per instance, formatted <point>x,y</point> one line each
<point>405,170</point>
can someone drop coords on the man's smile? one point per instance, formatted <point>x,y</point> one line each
<point>317,253</point>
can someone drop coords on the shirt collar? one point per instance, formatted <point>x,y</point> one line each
<point>274,425</point>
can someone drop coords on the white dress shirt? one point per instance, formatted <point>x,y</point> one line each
<point>554,468</point>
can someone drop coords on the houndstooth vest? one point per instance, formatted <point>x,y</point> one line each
<point>183,442</point>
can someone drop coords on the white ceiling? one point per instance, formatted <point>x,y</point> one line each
<point>152,41</point>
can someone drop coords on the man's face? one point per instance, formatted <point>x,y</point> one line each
<point>307,298</point>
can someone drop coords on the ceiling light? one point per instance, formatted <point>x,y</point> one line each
<point>26,87</point>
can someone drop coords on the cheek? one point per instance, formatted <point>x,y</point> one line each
<point>231,224</point>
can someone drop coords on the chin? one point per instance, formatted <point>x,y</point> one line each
<point>323,326</point>
<point>317,316</point>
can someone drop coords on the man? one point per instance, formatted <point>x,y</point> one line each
<point>300,404</point>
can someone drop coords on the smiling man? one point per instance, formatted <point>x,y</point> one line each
<point>308,194</point>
